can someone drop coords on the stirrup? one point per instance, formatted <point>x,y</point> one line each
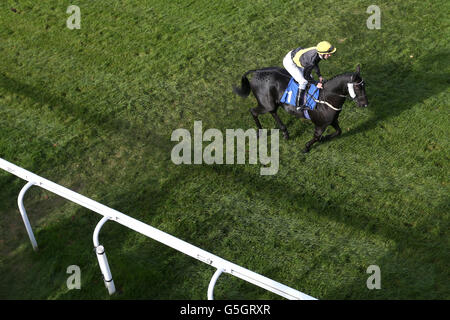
<point>302,108</point>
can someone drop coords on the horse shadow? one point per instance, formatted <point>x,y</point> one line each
<point>395,87</point>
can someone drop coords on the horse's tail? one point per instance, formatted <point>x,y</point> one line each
<point>244,90</point>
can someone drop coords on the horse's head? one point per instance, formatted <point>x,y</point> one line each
<point>357,90</point>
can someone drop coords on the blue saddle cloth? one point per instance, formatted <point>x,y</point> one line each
<point>290,95</point>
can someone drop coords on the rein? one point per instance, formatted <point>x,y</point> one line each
<point>328,104</point>
<point>323,102</point>
<point>351,92</point>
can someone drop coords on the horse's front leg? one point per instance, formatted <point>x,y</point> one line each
<point>317,134</point>
<point>338,132</point>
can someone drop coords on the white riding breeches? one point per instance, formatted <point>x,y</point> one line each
<point>295,71</point>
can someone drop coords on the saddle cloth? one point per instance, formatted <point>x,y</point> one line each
<point>290,95</point>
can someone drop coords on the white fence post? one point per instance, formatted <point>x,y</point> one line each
<point>101,257</point>
<point>23,213</point>
<point>212,283</point>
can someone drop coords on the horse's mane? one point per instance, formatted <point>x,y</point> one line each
<point>334,82</point>
<point>346,74</point>
<point>278,70</point>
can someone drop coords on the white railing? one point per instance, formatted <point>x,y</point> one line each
<point>110,214</point>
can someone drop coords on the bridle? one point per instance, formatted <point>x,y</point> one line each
<point>351,89</point>
<point>351,92</point>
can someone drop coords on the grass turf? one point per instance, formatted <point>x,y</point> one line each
<point>93,110</point>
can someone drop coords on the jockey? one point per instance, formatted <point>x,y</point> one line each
<point>300,62</point>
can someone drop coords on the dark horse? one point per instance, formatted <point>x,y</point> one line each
<point>269,84</point>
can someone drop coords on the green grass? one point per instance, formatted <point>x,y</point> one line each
<point>93,110</point>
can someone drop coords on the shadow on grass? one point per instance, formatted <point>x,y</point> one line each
<point>64,109</point>
<point>419,267</point>
<point>77,146</point>
<point>425,248</point>
<point>394,88</point>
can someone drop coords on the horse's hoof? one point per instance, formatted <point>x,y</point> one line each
<point>305,150</point>
<point>286,136</point>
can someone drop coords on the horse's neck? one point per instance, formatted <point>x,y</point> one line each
<point>336,86</point>
<point>334,90</point>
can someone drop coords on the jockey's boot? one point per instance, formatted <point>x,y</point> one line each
<point>299,102</point>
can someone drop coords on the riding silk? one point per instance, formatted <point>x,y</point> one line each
<point>307,59</point>
<point>290,95</point>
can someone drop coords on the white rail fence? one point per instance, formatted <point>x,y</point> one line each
<point>110,214</point>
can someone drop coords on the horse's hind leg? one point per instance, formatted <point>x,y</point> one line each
<point>280,124</point>
<point>255,112</point>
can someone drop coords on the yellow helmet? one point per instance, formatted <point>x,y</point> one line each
<point>324,47</point>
